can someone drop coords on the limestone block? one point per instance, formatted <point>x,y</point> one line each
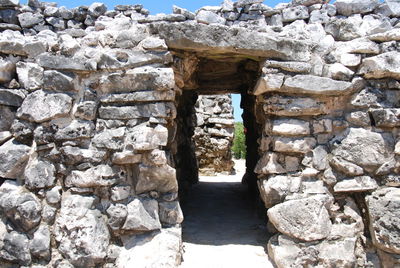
<point>309,84</point>
<point>75,130</point>
<point>209,17</point>
<point>143,138</point>
<point>138,250</point>
<point>291,145</point>
<point>75,155</point>
<point>290,66</point>
<point>138,79</point>
<point>306,2</point>
<point>116,216</point>
<point>40,244</point>
<point>12,42</point>
<point>349,7</point>
<point>359,118</point>
<point>110,139</point>
<point>11,97</point>
<point>386,117</point>
<point>9,3</point>
<point>120,192</point>
<point>97,9</point>
<point>101,175</point>
<point>30,75</point>
<point>57,81</point>
<point>170,212</point>
<point>305,219</point>
<point>290,127</point>
<point>295,13</point>
<point>274,190</point>
<point>160,109</point>
<point>346,167</point>
<point>29,19</point>
<point>289,106</point>
<point>356,184</point>
<point>7,70</point>
<point>39,174</point>
<point>86,110</point>
<point>41,106</point>
<point>155,178</point>
<point>139,96</point>
<point>384,65</point>
<point>269,82</point>
<point>16,248</point>
<point>394,7</point>
<point>60,62</point>
<point>268,164</point>
<point>383,212</point>
<point>142,215</point>
<point>338,252</point>
<point>365,148</point>
<point>90,246</point>
<point>13,157</point>
<point>391,35</point>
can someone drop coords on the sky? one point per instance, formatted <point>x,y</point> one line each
<point>165,6</point>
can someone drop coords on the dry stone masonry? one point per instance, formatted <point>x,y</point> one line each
<point>213,136</point>
<point>97,113</point>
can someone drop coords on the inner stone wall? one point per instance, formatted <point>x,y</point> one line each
<point>214,133</point>
<point>92,147</point>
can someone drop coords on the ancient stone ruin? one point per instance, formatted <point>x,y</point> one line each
<point>213,136</point>
<point>96,120</point>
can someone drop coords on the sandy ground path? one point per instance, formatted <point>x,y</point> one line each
<point>221,227</point>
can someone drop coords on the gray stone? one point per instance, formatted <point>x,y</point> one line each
<point>155,178</point>
<point>309,84</point>
<point>138,250</point>
<point>11,97</point>
<point>243,3</point>
<point>356,184</point>
<point>268,164</point>
<point>212,38</point>
<point>306,2</point>
<point>291,145</point>
<point>28,19</point>
<point>387,36</point>
<point>290,127</point>
<point>338,252</point>
<point>75,155</point>
<point>59,62</point>
<point>383,207</point>
<point>57,81</point>
<point>305,219</point>
<point>120,192</point>
<point>39,174</point>
<point>209,17</point>
<point>7,70</point>
<point>359,118</point>
<point>296,67</point>
<point>139,79</point>
<point>295,13</point>
<point>53,196</point>
<point>386,117</point>
<point>86,110</point>
<point>368,98</point>
<point>40,106</point>
<point>349,7</point>
<point>142,216</point>
<point>346,167</point>
<point>143,138</point>
<point>117,215</point>
<point>110,139</point>
<point>274,190</point>
<point>289,106</point>
<point>12,42</point>
<point>366,148</point>
<point>13,158</point>
<point>394,7</point>
<point>178,10</point>
<point>75,130</point>
<point>30,75</point>
<point>126,158</point>
<point>98,176</point>
<point>16,248</point>
<point>97,9</point>
<point>269,82</point>
<point>170,212</point>
<point>40,244</point>
<point>139,96</point>
<point>90,246</point>
<point>7,116</point>
<point>9,3</point>
<point>381,66</point>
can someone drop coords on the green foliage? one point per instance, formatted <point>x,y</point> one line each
<point>239,142</point>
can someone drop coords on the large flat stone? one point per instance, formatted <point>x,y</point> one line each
<point>156,178</point>
<point>384,208</point>
<point>385,65</point>
<point>163,110</point>
<point>223,39</point>
<point>310,84</point>
<point>349,7</point>
<point>13,157</point>
<point>356,184</point>
<point>305,219</point>
<point>41,106</point>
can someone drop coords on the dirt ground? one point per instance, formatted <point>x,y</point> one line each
<point>222,228</point>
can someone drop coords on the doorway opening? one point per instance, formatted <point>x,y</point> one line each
<point>221,210</point>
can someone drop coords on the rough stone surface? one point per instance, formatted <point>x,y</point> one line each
<point>39,174</point>
<point>305,219</point>
<point>309,84</point>
<point>381,66</point>
<point>383,207</point>
<point>13,158</point>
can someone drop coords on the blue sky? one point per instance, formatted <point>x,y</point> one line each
<point>165,6</point>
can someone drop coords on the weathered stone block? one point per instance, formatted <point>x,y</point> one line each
<point>356,184</point>
<point>349,7</point>
<point>41,106</point>
<point>295,13</point>
<point>382,66</point>
<point>39,174</point>
<point>163,110</point>
<point>305,219</point>
<point>13,157</point>
<point>30,75</point>
<point>101,175</point>
<point>309,84</point>
<point>291,145</point>
<point>155,178</point>
<point>290,127</point>
<point>142,216</point>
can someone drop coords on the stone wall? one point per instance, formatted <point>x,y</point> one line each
<point>95,128</point>
<point>213,136</point>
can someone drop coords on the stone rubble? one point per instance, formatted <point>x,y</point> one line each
<point>98,128</point>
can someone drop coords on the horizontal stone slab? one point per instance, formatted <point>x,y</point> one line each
<point>386,65</point>
<point>163,110</point>
<point>310,84</point>
<point>140,96</point>
<point>58,62</point>
<point>219,39</point>
<point>386,117</point>
<point>293,106</point>
<point>392,35</point>
<point>356,184</point>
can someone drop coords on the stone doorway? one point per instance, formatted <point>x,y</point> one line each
<point>233,201</point>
